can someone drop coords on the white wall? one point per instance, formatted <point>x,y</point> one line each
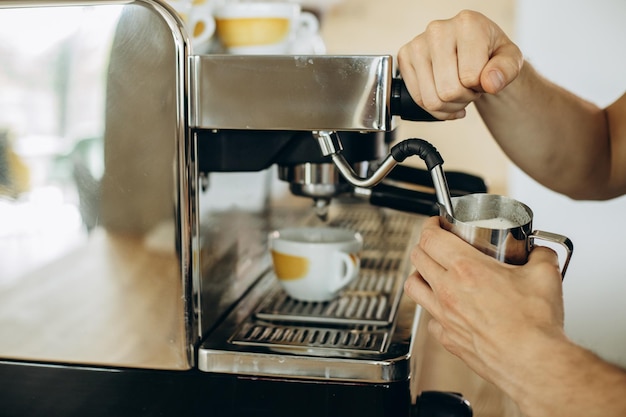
<point>579,44</point>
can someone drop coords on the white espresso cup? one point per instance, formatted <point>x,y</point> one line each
<point>197,15</point>
<point>257,28</point>
<point>315,263</point>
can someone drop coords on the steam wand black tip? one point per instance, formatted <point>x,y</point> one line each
<point>429,154</point>
<point>419,147</point>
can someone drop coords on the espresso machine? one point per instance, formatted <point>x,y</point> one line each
<point>159,300</point>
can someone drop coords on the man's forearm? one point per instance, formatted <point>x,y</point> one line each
<point>571,382</point>
<point>547,132</point>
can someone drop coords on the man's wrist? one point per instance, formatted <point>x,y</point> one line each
<point>556,377</point>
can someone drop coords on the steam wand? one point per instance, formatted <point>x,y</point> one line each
<point>331,146</point>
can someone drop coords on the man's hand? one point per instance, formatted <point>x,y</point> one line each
<point>484,310</point>
<point>456,60</point>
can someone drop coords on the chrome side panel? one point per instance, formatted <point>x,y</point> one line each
<point>95,194</point>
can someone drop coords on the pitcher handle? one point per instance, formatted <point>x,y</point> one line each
<point>554,238</point>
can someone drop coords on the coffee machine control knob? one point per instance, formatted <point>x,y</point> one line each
<point>403,105</point>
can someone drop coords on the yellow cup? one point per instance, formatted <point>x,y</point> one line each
<point>315,263</point>
<point>261,27</point>
<point>198,19</point>
<point>250,31</point>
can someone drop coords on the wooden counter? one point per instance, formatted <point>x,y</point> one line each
<point>111,302</point>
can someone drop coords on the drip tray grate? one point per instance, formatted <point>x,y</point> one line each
<point>370,300</point>
<point>261,334</point>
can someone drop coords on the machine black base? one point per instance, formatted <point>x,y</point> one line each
<point>31,389</point>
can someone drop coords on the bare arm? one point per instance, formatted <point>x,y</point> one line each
<point>561,140</point>
<point>506,323</point>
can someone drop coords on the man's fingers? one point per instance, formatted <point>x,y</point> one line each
<point>503,67</point>
<point>419,291</point>
<point>443,247</point>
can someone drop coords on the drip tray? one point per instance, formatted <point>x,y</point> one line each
<point>365,334</point>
